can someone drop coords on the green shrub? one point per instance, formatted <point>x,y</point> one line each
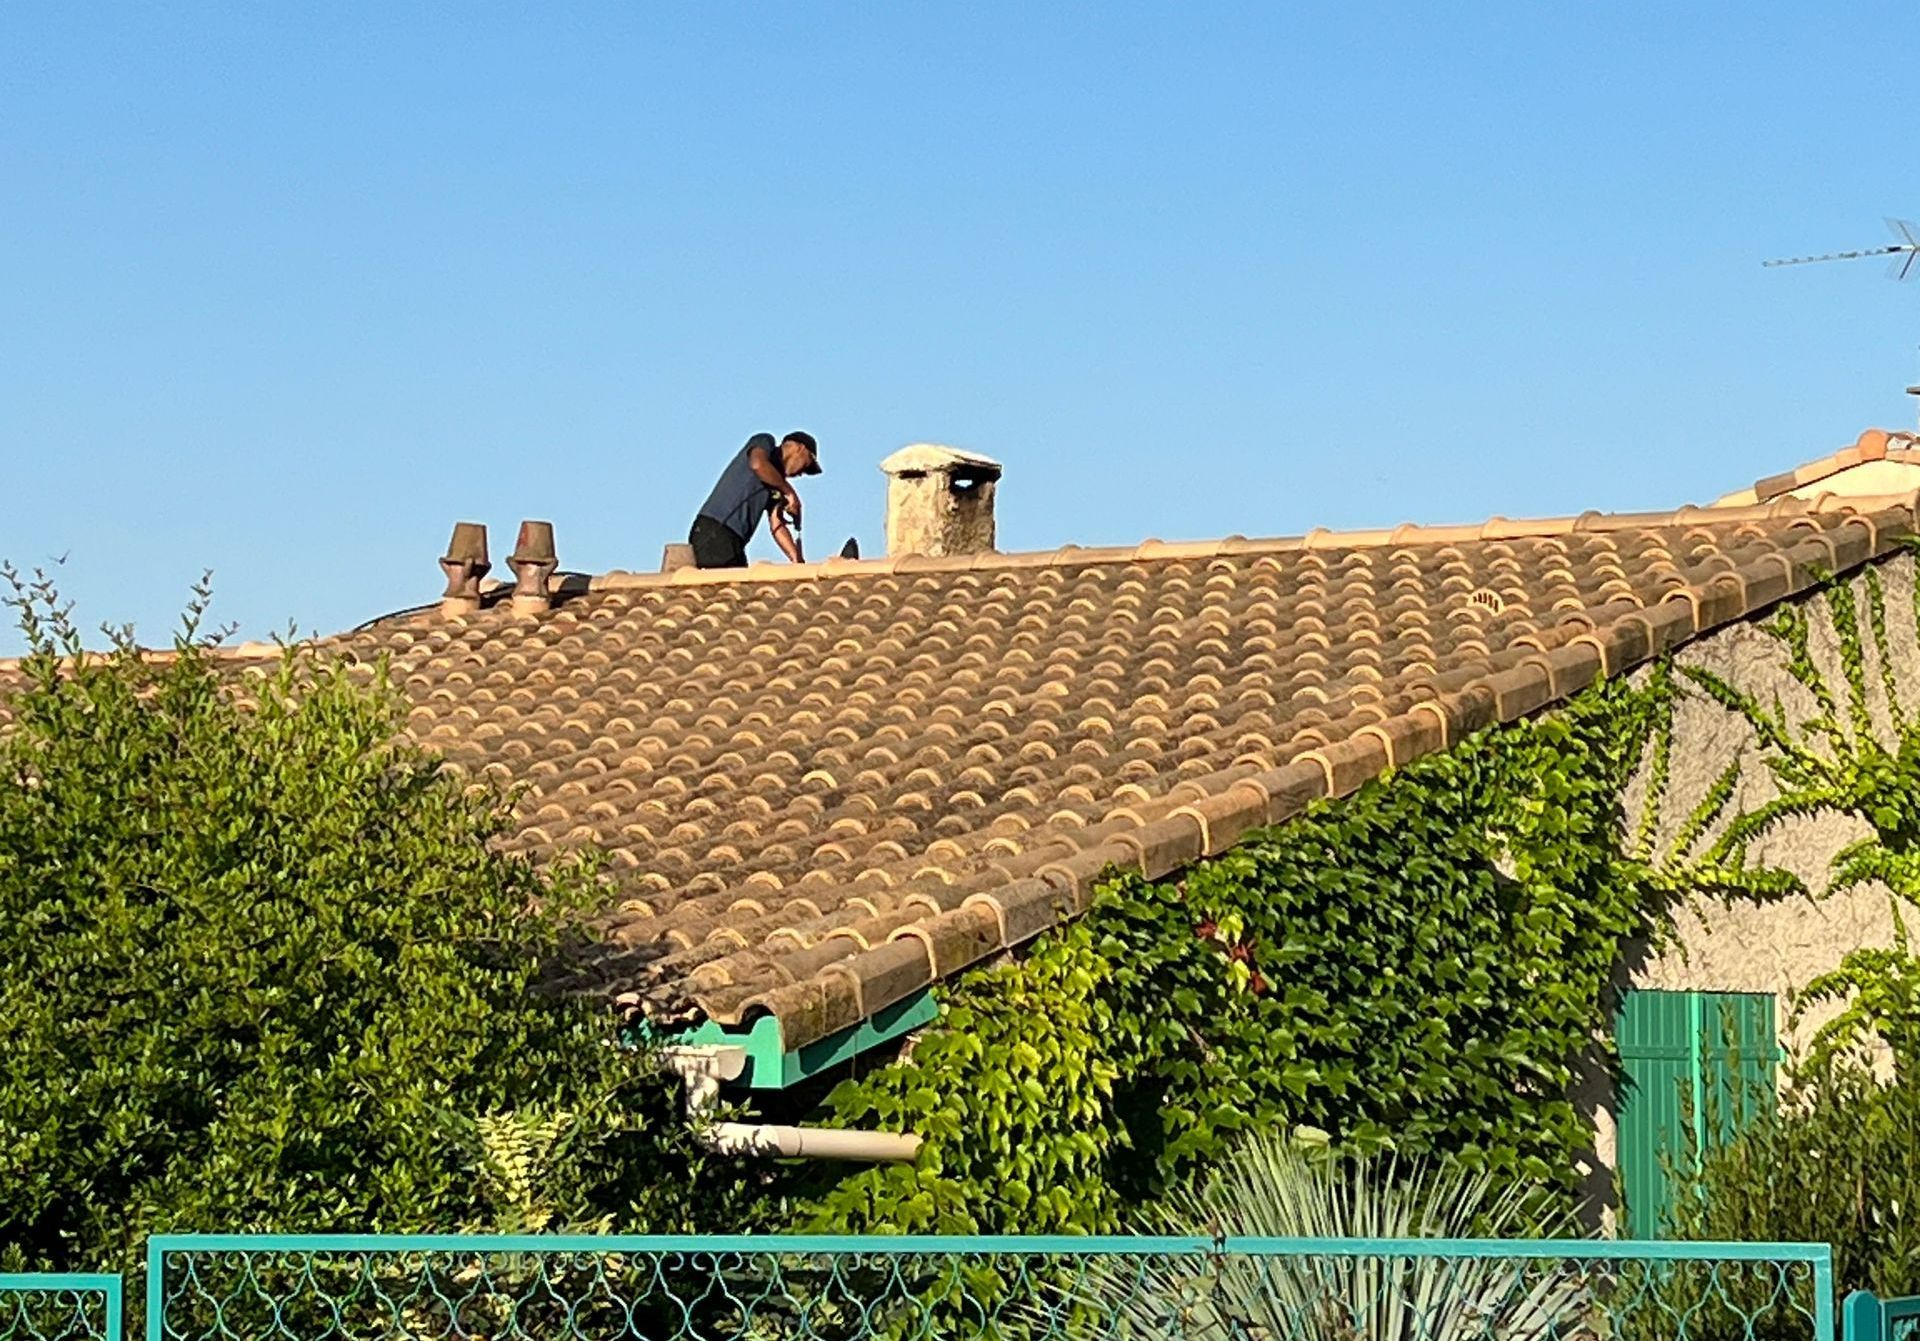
<point>260,969</point>
<point>1838,1163</point>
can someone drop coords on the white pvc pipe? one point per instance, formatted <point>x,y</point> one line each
<point>748,1138</point>
<point>704,1068</point>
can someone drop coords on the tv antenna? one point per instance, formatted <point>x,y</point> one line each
<point>1905,253</point>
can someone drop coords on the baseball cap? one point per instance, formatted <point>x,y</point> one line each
<point>813,449</point>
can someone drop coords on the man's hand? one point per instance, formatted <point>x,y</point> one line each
<point>788,542</point>
<point>792,504</point>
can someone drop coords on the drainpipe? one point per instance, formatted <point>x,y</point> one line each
<point>704,1068</point>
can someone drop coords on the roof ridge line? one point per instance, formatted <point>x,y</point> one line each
<point>1407,533</point>
<point>250,650</point>
<point>1873,444</point>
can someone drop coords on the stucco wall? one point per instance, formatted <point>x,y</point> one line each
<point>1864,480</point>
<point>1777,946</point>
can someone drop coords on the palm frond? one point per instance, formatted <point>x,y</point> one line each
<point>1273,1188</point>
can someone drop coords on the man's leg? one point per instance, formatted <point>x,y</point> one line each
<point>715,545</point>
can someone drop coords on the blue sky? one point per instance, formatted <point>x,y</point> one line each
<point>287,290</point>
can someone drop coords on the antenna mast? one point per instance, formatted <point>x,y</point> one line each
<point>1905,253</point>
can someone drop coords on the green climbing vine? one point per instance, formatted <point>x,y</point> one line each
<point>1832,762</point>
<point>1841,762</point>
<point>1422,965</point>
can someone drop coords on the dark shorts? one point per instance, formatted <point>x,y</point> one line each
<point>715,545</point>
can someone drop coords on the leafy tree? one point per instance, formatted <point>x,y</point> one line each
<point>262,968</point>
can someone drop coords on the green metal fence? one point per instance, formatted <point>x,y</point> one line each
<point>1867,1317</point>
<point>557,1288</point>
<point>59,1307</point>
<point>437,1288</point>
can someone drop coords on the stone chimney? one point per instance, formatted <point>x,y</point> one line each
<point>465,563</point>
<point>939,500</point>
<point>533,561</point>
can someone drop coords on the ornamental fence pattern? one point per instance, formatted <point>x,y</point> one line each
<point>761,1288</point>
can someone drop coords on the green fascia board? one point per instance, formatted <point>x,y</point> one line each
<point>771,1065</point>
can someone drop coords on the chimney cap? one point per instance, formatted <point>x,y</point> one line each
<point>534,543</point>
<point>926,457</point>
<point>468,545</point>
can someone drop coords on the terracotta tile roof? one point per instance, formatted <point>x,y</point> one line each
<point>823,787</point>
<point>1873,445</point>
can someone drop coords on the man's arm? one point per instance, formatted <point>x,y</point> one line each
<point>788,542</point>
<point>761,464</point>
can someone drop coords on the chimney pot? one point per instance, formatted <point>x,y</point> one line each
<point>535,542</point>
<point>533,562</point>
<point>465,563</point>
<point>469,543</point>
<point>940,500</point>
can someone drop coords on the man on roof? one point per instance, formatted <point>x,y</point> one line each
<point>757,482</point>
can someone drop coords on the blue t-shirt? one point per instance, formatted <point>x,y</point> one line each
<point>741,498</point>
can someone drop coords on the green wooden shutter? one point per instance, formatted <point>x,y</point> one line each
<point>1698,1066</point>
